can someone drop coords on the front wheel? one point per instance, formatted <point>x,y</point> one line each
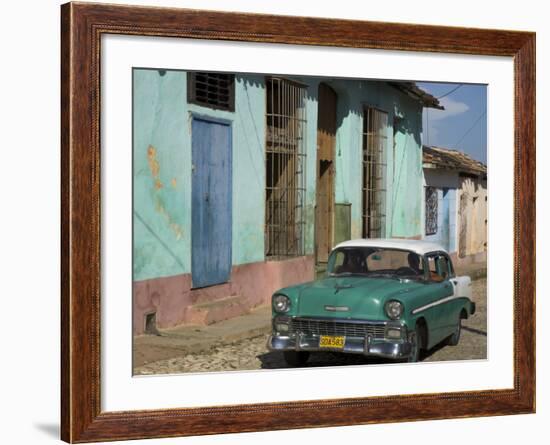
<point>416,339</point>
<point>296,358</point>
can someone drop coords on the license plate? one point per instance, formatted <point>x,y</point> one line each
<point>328,341</point>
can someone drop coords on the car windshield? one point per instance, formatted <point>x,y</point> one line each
<point>374,261</point>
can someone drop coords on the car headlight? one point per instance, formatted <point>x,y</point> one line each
<point>394,309</point>
<point>281,303</point>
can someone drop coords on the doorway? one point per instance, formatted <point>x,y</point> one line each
<point>326,145</point>
<point>211,202</point>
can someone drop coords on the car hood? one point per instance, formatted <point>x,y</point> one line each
<point>351,297</point>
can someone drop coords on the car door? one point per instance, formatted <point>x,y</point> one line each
<point>439,315</point>
<point>451,309</point>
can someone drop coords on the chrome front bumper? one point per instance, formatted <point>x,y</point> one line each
<point>391,349</point>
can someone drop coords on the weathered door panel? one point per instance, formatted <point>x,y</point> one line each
<point>211,202</point>
<point>326,144</point>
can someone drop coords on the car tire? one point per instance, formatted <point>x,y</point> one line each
<point>455,337</point>
<point>417,339</point>
<point>296,358</point>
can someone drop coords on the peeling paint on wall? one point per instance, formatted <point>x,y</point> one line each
<point>162,178</point>
<point>154,165</point>
<point>176,228</point>
<point>159,154</point>
<point>472,218</point>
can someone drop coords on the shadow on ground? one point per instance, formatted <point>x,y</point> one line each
<point>275,360</point>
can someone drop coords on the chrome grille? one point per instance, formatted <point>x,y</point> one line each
<point>311,326</point>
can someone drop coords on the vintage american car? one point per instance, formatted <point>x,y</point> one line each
<point>388,298</point>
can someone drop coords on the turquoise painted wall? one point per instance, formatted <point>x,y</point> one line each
<point>407,186</point>
<point>248,169</point>
<point>162,171</point>
<point>161,159</point>
<point>403,154</point>
<point>163,165</point>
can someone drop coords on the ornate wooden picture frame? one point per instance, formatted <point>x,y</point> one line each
<point>82,27</point>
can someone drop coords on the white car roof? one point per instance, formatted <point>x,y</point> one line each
<point>419,246</point>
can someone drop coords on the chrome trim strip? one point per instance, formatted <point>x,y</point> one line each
<point>434,303</point>
<point>368,346</point>
<point>342,320</point>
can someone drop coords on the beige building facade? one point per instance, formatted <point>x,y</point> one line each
<point>455,204</point>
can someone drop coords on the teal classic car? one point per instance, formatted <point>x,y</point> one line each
<point>388,298</point>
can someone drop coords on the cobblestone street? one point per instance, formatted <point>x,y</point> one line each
<point>252,353</point>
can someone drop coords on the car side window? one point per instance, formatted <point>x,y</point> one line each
<point>439,267</point>
<point>339,261</point>
<point>451,267</point>
<point>443,267</point>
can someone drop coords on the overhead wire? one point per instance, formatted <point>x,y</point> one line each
<point>450,92</point>
<point>427,111</point>
<point>471,128</point>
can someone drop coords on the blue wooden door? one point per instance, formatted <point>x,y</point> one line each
<point>211,202</point>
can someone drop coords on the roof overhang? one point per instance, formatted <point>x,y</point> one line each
<point>438,158</point>
<point>412,90</point>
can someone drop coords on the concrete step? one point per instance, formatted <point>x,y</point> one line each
<point>211,293</point>
<point>215,311</point>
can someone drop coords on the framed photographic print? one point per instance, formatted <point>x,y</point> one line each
<point>274,222</point>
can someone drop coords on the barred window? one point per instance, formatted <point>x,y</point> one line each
<point>431,210</point>
<point>213,90</point>
<point>375,123</point>
<point>285,163</point>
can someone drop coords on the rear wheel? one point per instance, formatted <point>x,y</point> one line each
<point>296,358</point>
<point>455,337</point>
